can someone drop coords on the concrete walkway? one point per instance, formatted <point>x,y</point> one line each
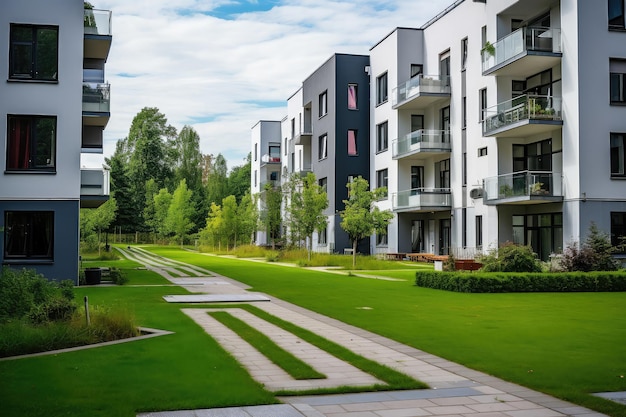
<point>455,390</point>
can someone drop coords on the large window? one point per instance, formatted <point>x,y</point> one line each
<point>382,238</point>
<point>322,147</point>
<point>543,232</point>
<point>442,180</point>
<point>382,134</point>
<point>322,236</point>
<point>381,89</point>
<point>617,68</point>
<point>352,147</point>
<point>618,154</point>
<point>616,14</point>
<point>28,234</point>
<point>417,178</point>
<point>352,97</point>
<point>323,103</point>
<point>33,53</point>
<point>382,179</point>
<point>31,142</point>
<point>618,229</point>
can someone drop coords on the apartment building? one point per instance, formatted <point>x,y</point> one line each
<point>496,121</point>
<point>506,122</point>
<point>55,105</point>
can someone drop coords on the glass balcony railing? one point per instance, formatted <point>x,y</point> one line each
<point>270,159</point>
<point>97,22</point>
<point>523,184</point>
<point>94,182</point>
<point>420,85</point>
<point>96,97</point>
<point>422,198</point>
<point>521,108</point>
<point>540,39</point>
<point>422,141</point>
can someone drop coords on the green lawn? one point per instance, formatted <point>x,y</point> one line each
<point>565,344</point>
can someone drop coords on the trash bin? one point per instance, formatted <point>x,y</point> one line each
<point>93,276</point>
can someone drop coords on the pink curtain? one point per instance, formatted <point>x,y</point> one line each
<point>352,142</point>
<point>352,97</point>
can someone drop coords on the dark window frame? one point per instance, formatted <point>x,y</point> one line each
<point>322,151</point>
<point>30,228</point>
<point>29,154</point>
<point>382,136</point>
<point>382,89</point>
<point>618,161</point>
<point>382,179</point>
<point>618,230</point>
<point>323,104</point>
<point>355,134</point>
<point>355,87</point>
<point>33,45</point>
<point>617,82</point>
<point>616,15</point>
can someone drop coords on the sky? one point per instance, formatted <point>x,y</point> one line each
<point>220,66</point>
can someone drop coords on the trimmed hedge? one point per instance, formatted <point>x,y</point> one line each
<point>497,282</point>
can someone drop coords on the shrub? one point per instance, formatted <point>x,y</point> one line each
<point>498,282</point>
<point>510,258</point>
<point>595,254</point>
<point>117,276</point>
<point>449,264</point>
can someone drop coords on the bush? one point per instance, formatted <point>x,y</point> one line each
<point>117,276</point>
<point>510,258</point>
<point>595,254</point>
<point>493,282</point>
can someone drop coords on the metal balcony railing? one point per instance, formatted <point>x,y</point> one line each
<point>420,85</point>
<point>421,141</point>
<point>418,198</point>
<point>96,97</point>
<point>523,184</point>
<point>521,108</point>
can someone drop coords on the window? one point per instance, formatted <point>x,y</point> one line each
<point>293,128</point>
<point>463,53</point>
<point>323,183</point>
<point>322,147</point>
<point>382,178</point>
<point>255,179</point>
<point>382,135</point>
<point>322,236</point>
<point>274,151</point>
<point>483,35</point>
<point>618,228</point>
<point>444,115</point>
<point>256,151</point>
<point>381,89</point>
<point>323,103</point>
<point>285,146</point>
<point>482,151</point>
<point>382,238</point>
<point>31,143</point>
<point>33,53</point>
<point>464,112</point>
<point>617,68</point>
<point>352,149</point>
<point>464,221</point>
<point>616,15</point>
<point>417,178</point>
<point>618,154</point>
<point>352,96</point>
<point>444,67</point>
<point>417,122</point>
<point>482,105</point>
<point>479,231</point>
<point>416,69</point>
<point>464,169</point>
<point>442,180</point>
<point>28,234</point>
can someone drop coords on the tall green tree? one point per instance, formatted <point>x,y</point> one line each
<point>213,232</point>
<point>361,217</point>
<point>188,166</point>
<point>239,179</point>
<point>230,220</point>
<point>127,219</point>
<point>180,212</point>
<point>307,204</point>
<point>149,211</point>
<point>217,180</point>
<point>272,198</point>
<point>162,202</point>
<point>248,218</point>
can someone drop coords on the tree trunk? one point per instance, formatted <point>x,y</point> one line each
<point>354,242</point>
<point>310,246</point>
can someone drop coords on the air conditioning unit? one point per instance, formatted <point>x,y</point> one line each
<point>476,193</point>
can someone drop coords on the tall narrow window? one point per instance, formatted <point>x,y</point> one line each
<point>444,115</point>
<point>616,14</point>
<point>33,53</point>
<point>323,103</point>
<point>322,236</point>
<point>618,155</point>
<point>28,234</point>
<point>618,229</point>
<point>463,53</point>
<point>464,112</point>
<point>464,226</point>
<point>479,232</point>
<point>617,68</point>
<point>352,148</point>
<point>256,151</point>
<point>417,178</point>
<point>323,147</point>
<point>442,180</point>
<point>285,146</point>
<point>444,67</point>
<point>381,238</point>
<point>382,134</point>
<point>381,89</point>
<point>482,105</point>
<point>31,143</point>
<point>293,128</point>
<point>464,168</point>
<point>382,179</point>
<point>255,178</point>
<point>352,97</point>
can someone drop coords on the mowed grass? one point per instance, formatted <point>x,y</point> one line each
<point>185,370</point>
<point>565,344</point>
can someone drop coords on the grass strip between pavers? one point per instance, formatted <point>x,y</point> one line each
<point>395,380</point>
<point>289,363</point>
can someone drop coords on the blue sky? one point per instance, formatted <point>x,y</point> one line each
<point>221,65</point>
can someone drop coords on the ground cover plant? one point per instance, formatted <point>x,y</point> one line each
<point>565,344</point>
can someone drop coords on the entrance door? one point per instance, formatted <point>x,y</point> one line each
<point>417,236</point>
<point>444,236</point>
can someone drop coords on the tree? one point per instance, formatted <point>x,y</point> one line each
<point>127,218</point>
<point>94,221</point>
<point>248,217</point>
<point>179,213</point>
<point>307,204</point>
<point>188,166</point>
<point>217,180</point>
<point>214,229</point>
<point>239,179</point>
<point>162,202</point>
<point>594,254</point>
<point>360,217</point>
<point>270,217</point>
<point>149,211</point>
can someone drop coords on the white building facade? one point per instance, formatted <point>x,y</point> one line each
<point>55,105</point>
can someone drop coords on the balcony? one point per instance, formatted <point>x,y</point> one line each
<point>422,199</point>
<point>303,170</point>
<point>303,138</point>
<point>268,159</point>
<point>523,116</point>
<point>422,141</point>
<point>94,187</point>
<point>97,42</point>
<point>525,187</point>
<point>420,92</point>
<point>91,139</point>
<point>527,51</point>
<point>96,104</point>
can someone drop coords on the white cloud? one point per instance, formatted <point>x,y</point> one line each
<point>212,73</point>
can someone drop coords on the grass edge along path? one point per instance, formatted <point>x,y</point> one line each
<point>298,369</point>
